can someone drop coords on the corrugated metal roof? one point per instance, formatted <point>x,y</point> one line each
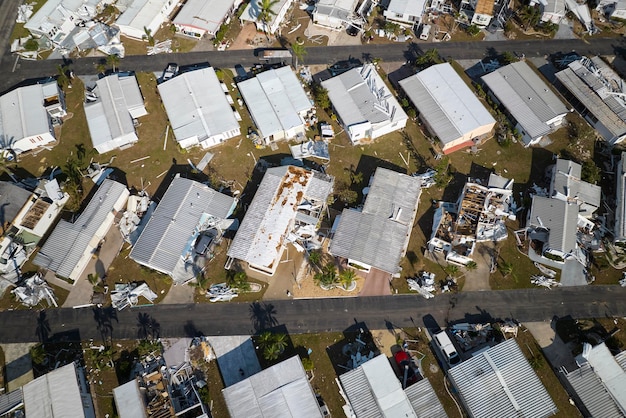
<point>610,372</point>
<point>373,391</point>
<point>196,105</point>
<point>207,15</point>
<point>109,117</point>
<point>424,400</point>
<point>360,95</point>
<point>500,383</point>
<point>11,400</point>
<point>560,218</point>
<point>275,99</point>
<point>268,219</point>
<point>526,96</point>
<point>141,14</point>
<point>620,193</point>
<point>168,231</point>
<point>566,181</point>
<point>378,235</point>
<point>592,93</point>
<point>341,9</point>
<point>129,401</point>
<point>446,103</point>
<point>592,393</point>
<point>281,391</point>
<point>69,241</point>
<point>54,394</point>
<point>22,114</point>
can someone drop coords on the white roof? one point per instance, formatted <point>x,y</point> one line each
<point>447,104</point>
<point>526,96</point>
<point>55,12</point>
<point>196,105</point>
<point>251,12</point>
<point>500,383</point>
<point>360,95</point>
<point>22,114</point>
<point>339,8</point>
<point>407,7</point>
<point>275,99</point>
<point>55,394</point>
<point>373,390</point>
<point>129,401</point>
<point>281,391</point>
<point>207,15</point>
<point>273,209</point>
<point>109,117</point>
<point>141,13</point>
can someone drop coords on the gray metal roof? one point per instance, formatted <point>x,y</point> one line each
<point>172,224</point>
<point>207,15</point>
<point>526,96</point>
<point>566,181</point>
<point>273,210</point>
<point>374,390</point>
<point>109,116</point>
<point>11,400</point>
<point>275,99</point>
<point>12,200</point>
<point>500,383</point>
<point>407,7</point>
<point>560,218</point>
<point>360,95</point>
<point>22,114</point>
<point>281,391</point>
<point>339,9</point>
<point>196,105</point>
<point>129,401</point>
<point>424,400</point>
<point>592,393</point>
<point>446,103</point>
<point>55,394</point>
<point>589,89</point>
<point>620,201</point>
<point>68,242</point>
<point>378,236</point>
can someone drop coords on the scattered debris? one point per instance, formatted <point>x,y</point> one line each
<point>24,12</point>
<point>545,271</point>
<point>426,179</point>
<point>136,207</point>
<point>221,293</point>
<point>544,281</point>
<point>33,290</point>
<point>160,47</point>
<point>127,294</point>
<point>424,284</point>
<point>311,149</point>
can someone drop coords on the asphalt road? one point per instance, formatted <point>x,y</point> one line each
<point>315,55</point>
<point>8,14</point>
<point>315,315</point>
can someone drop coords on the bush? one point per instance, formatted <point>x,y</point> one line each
<point>31,45</point>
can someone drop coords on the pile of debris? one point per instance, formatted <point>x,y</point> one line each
<point>470,336</point>
<point>33,290</point>
<point>544,281</point>
<point>127,294</point>
<point>426,179</point>
<point>221,293</point>
<point>136,207</point>
<point>160,47</point>
<point>424,284</point>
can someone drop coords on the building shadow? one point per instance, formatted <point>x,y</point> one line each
<point>356,345</point>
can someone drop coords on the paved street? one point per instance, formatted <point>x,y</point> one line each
<point>315,55</point>
<point>318,315</point>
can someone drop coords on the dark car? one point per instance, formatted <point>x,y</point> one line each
<point>352,30</point>
<point>242,74</point>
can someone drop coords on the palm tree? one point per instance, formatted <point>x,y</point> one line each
<point>314,258</point>
<point>266,13</point>
<point>429,57</point>
<point>62,78</point>
<point>299,51</point>
<point>347,277</point>
<point>101,68</point>
<point>327,277</point>
<point>113,60</point>
<point>264,339</point>
<point>38,354</point>
<point>471,266</point>
<point>529,16</point>
<point>506,268</point>
<point>451,270</point>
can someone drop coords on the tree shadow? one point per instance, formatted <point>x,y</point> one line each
<point>43,326</point>
<point>356,339</point>
<point>104,318</point>
<point>191,330</point>
<point>148,328</point>
<point>263,316</point>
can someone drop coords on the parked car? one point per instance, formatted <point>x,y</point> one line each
<point>170,71</point>
<point>352,30</point>
<point>241,73</point>
<point>447,349</point>
<point>425,32</point>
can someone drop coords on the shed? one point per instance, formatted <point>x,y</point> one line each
<point>335,14</point>
<point>448,107</point>
<point>115,102</point>
<point>198,109</point>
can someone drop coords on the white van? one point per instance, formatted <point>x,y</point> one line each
<point>425,33</point>
<point>443,343</point>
